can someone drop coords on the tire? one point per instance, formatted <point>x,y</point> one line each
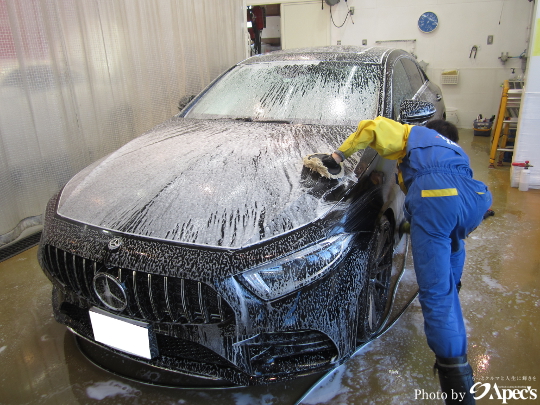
<point>373,299</point>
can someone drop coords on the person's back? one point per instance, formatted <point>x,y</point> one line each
<point>427,149</point>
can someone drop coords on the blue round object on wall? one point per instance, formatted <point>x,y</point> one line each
<point>428,21</point>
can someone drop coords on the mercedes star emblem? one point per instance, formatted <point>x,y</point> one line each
<point>110,291</point>
<point>114,244</point>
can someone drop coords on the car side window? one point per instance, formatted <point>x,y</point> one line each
<point>401,87</point>
<point>416,77</point>
<point>407,79</point>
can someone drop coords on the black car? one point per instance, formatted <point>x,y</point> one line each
<point>204,253</point>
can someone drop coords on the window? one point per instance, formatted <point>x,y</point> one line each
<point>312,92</point>
<point>416,77</point>
<point>407,79</point>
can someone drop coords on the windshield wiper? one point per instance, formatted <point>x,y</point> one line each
<point>275,121</point>
<point>249,119</point>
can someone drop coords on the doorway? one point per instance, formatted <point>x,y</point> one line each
<point>289,25</point>
<point>264,27</point>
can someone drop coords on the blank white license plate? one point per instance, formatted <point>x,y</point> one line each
<point>124,334</point>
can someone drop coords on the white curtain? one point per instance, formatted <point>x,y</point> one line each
<point>79,78</point>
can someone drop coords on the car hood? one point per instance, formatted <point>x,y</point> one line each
<point>209,182</point>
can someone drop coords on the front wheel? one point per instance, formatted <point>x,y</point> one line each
<point>374,295</point>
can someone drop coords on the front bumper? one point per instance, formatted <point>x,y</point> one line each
<point>206,324</point>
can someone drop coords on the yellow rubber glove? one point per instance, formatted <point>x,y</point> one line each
<point>386,136</point>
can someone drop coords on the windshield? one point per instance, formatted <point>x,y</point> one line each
<point>333,93</point>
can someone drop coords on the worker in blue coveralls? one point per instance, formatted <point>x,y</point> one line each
<point>443,205</point>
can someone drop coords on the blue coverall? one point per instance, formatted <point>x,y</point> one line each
<point>443,205</point>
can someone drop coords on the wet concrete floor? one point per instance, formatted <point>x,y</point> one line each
<point>40,363</point>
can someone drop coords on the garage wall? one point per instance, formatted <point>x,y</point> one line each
<point>304,25</point>
<point>78,79</point>
<point>462,25</point>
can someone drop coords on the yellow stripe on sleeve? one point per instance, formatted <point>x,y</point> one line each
<point>443,192</point>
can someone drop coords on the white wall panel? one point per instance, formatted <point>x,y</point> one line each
<point>304,25</point>
<point>528,134</point>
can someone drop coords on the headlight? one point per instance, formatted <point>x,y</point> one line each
<point>280,277</point>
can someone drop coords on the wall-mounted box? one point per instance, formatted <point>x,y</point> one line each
<point>450,76</point>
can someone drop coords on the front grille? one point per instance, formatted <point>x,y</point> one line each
<point>150,297</point>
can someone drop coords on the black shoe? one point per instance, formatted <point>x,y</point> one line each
<point>456,378</point>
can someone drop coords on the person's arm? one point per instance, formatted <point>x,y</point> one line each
<point>387,137</point>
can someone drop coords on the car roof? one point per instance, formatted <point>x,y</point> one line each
<point>371,55</point>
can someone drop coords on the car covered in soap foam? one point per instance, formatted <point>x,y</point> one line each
<point>204,253</point>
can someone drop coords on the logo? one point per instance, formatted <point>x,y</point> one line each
<point>480,390</point>
<point>110,291</point>
<point>448,141</point>
<point>114,244</point>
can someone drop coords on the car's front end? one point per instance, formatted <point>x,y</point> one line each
<point>232,316</point>
<point>203,253</point>
<point>264,284</point>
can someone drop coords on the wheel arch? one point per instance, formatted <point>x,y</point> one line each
<point>389,213</point>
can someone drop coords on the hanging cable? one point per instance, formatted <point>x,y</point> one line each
<point>346,17</point>
<point>502,9</point>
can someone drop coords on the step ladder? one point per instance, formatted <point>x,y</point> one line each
<point>507,119</point>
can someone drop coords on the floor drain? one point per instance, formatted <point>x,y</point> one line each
<point>18,247</point>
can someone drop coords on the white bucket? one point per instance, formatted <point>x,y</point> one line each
<point>451,115</point>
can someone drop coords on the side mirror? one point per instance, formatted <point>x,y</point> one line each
<point>184,101</point>
<point>416,112</point>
